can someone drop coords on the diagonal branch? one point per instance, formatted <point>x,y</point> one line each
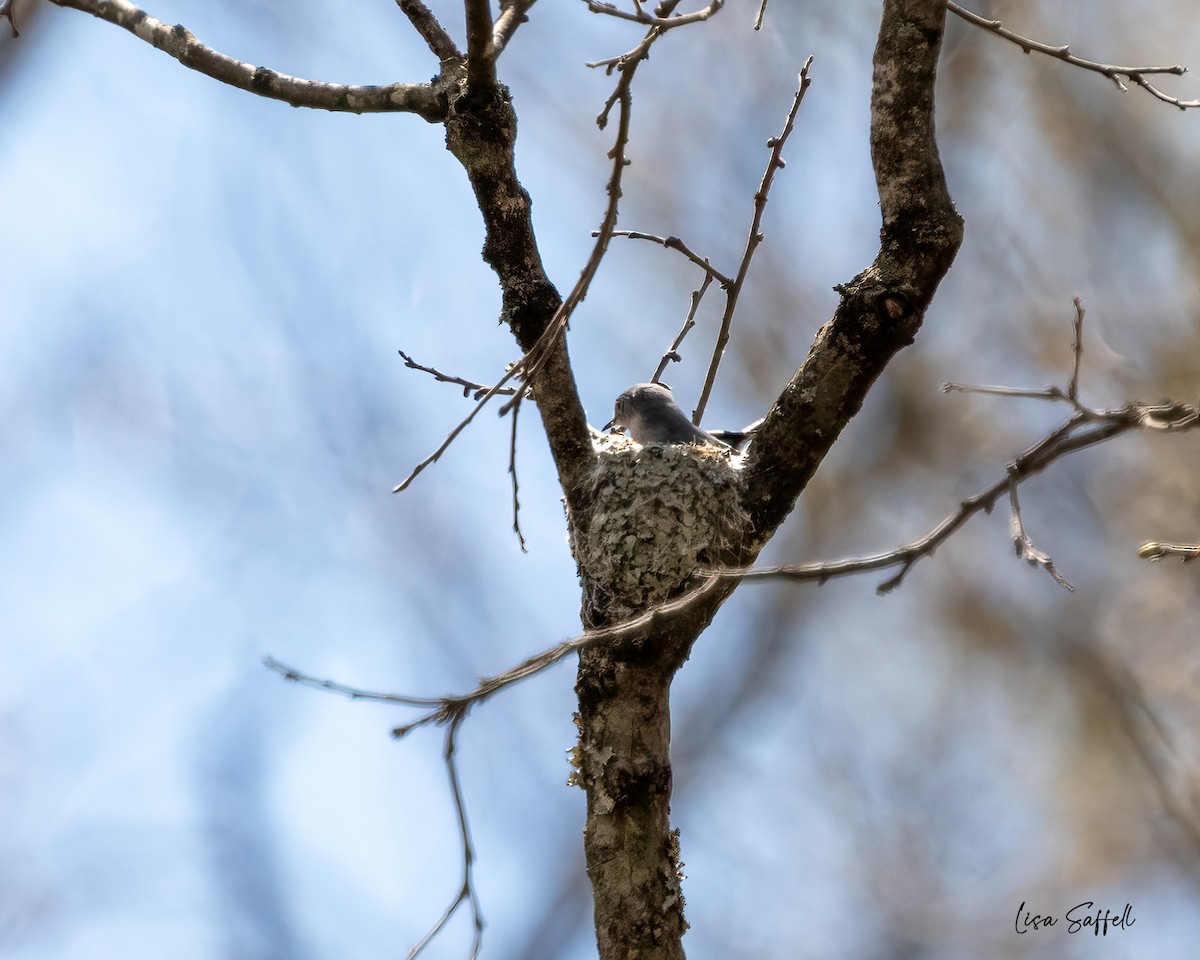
<point>755,237</point>
<point>514,13</point>
<point>1024,545</point>
<point>674,243</point>
<point>424,99</point>
<point>431,31</point>
<point>470,387</point>
<point>689,321</point>
<point>1114,72</point>
<point>445,709</point>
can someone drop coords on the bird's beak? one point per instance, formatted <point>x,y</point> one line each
<point>620,427</point>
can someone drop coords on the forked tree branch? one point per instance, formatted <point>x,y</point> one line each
<point>424,99</point>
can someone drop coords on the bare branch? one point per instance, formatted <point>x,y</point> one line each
<point>354,693</point>
<point>672,353</point>
<point>1024,546</point>
<point>661,21</point>
<point>1076,351</point>
<point>512,471</point>
<point>481,56</point>
<point>445,445</point>
<point>881,310</point>
<point>755,237</point>
<point>543,347</point>
<point>423,99</point>
<point>674,243</point>
<point>467,892</point>
<point>431,31</point>
<point>1047,393</point>
<point>514,14</point>
<point>443,710</point>
<point>1153,550</point>
<point>470,388</point>
<point>1135,75</point>
<point>758,17</point>
<point>447,710</point>
<point>1069,395</point>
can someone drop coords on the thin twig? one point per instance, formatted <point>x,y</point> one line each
<point>758,17</point>
<point>1153,550</point>
<point>1078,433</point>
<point>1114,72</point>
<point>733,290</point>
<point>662,22</point>
<point>1046,393</point>
<point>672,353</point>
<point>674,243</point>
<point>443,710</point>
<point>466,892</point>
<point>470,388</point>
<point>1076,350</point>
<point>419,98</point>
<point>1024,546</point>
<point>450,438</point>
<point>512,470</point>
<point>354,693</point>
<point>514,13</point>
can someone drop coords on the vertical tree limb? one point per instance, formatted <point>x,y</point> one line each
<point>632,854</point>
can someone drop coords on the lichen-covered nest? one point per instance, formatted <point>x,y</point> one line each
<point>661,511</point>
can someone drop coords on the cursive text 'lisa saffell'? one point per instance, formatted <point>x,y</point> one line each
<point>1079,917</point>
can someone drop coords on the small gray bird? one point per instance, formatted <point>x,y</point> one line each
<point>650,414</point>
